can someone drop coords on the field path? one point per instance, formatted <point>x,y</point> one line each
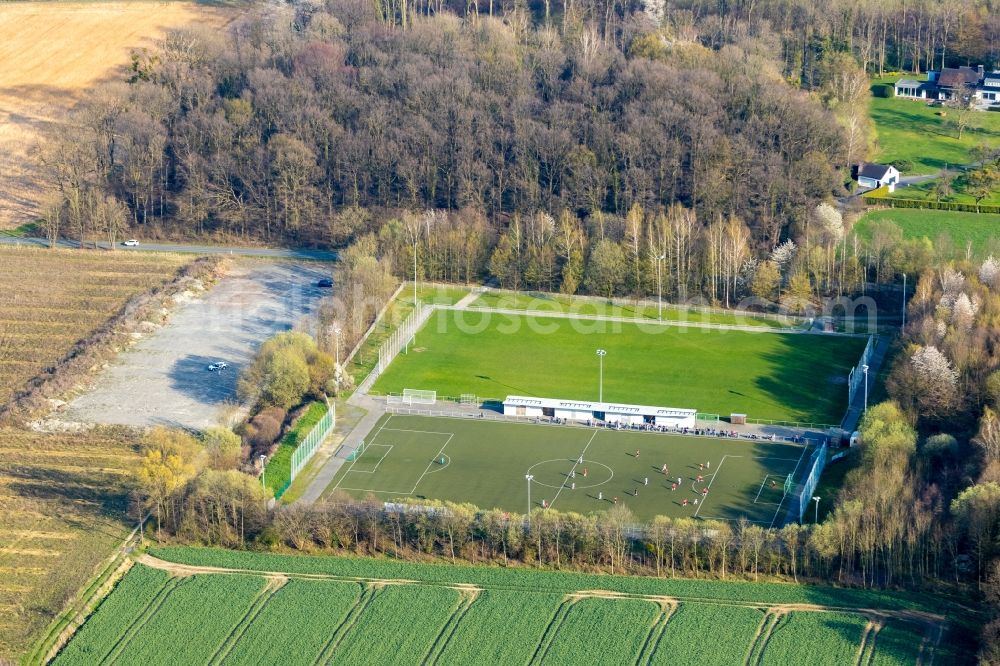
<point>929,619</point>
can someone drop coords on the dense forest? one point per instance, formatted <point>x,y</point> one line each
<point>295,117</point>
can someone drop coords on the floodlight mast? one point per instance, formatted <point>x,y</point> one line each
<point>816,499</point>
<point>659,286</point>
<point>864,369</point>
<point>262,470</point>
<point>600,381</point>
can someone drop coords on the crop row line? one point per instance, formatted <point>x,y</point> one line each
<point>558,618</point>
<point>866,651</point>
<point>144,617</point>
<point>346,624</point>
<point>756,651</point>
<point>241,627</point>
<point>444,636</point>
<point>655,635</point>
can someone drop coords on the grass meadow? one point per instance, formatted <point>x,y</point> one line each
<point>925,192</point>
<point>912,131</point>
<point>778,376</point>
<point>422,613</point>
<point>953,234</point>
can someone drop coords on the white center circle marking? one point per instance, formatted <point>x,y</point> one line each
<point>579,486</point>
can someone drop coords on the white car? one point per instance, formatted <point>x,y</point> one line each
<point>131,243</point>
<point>218,365</point>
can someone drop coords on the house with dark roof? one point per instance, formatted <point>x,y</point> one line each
<point>974,84</point>
<point>872,176</point>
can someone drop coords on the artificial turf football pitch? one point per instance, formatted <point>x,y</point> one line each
<point>775,376</point>
<point>485,462</point>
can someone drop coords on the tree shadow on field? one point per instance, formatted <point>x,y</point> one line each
<point>806,377</point>
<point>84,489</point>
<point>190,375</point>
<point>515,389</point>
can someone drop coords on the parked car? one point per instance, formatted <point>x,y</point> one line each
<point>218,365</point>
<point>131,243</point>
<point>325,283</point>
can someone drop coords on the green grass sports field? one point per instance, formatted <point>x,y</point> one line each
<point>327,610</point>
<point>778,376</point>
<point>485,463</point>
<point>584,305</point>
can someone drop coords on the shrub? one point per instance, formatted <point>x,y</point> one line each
<point>873,199</point>
<point>286,379</point>
<point>263,430</point>
<point>885,90</point>
<point>287,368</point>
<point>223,448</point>
<point>940,447</point>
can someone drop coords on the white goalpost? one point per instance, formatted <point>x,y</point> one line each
<point>419,397</point>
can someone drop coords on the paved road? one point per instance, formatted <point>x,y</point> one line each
<point>857,408</point>
<point>277,253</point>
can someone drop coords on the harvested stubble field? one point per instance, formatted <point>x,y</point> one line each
<point>62,510</point>
<point>52,53</point>
<point>51,299</point>
<point>372,611</point>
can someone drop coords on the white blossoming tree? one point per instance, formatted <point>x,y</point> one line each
<point>963,313</point>
<point>783,254</point>
<point>936,380</point>
<point>990,271</point>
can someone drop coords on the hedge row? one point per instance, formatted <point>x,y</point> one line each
<point>931,205</point>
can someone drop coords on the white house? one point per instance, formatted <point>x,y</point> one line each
<point>579,410</point>
<point>872,176</point>
<point>916,89</point>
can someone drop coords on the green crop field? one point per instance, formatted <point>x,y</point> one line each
<point>600,631</point>
<point>274,637</point>
<point>685,644</point>
<point>827,639</point>
<point>980,230</point>
<point>486,462</point>
<point>779,376</point>
<point>369,611</point>
<point>912,131</point>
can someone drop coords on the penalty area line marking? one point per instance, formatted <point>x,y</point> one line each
<point>427,469</point>
<point>805,449</point>
<point>718,471</point>
<point>354,462</point>
<point>388,448</point>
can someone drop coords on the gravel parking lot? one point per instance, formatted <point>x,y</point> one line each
<point>163,379</point>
